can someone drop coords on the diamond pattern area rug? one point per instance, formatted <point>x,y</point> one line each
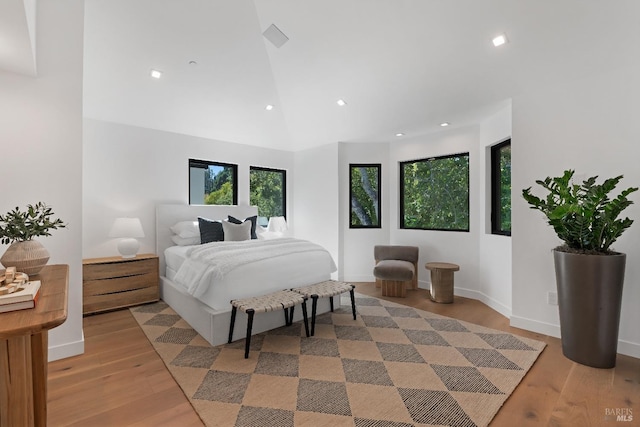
<point>393,366</point>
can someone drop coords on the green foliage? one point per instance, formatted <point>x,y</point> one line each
<point>218,186</point>
<point>436,193</point>
<point>222,196</point>
<point>18,226</point>
<point>583,216</point>
<point>266,191</point>
<point>505,188</point>
<point>365,192</point>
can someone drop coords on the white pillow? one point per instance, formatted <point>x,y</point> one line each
<point>236,232</point>
<point>270,235</point>
<point>185,241</point>
<point>186,229</point>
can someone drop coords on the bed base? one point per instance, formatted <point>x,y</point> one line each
<point>213,325</point>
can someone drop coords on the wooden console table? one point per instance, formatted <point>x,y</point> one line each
<point>24,348</point>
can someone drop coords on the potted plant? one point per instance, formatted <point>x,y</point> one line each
<point>19,228</point>
<point>589,274</point>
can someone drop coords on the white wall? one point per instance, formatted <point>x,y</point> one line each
<point>591,125</point>
<point>445,246</point>
<point>356,244</point>
<point>315,208</point>
<point>128,170</point>
<point>41,139</point>
<point>494,268</point>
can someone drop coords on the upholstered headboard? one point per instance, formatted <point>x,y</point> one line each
<point>168,215</point>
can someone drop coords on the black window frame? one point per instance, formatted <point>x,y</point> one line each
<point>402,192</point>
<point>284,185</point>
<point>204,164</point>
<point>378,166</point>
<point>496,189</point>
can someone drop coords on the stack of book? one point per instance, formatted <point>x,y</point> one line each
<point>25,297</point>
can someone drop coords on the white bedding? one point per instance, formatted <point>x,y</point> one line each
<point>205,272</point>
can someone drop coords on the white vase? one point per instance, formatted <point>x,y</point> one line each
<point>27,257</point>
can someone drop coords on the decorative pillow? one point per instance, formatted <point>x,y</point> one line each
<point>185,241</point>
<point>210,231</point>
<point>186,229</point>
<point>236,232</point>
<point>253,219</point>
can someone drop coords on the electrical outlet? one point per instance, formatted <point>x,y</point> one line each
<point>552,298</point>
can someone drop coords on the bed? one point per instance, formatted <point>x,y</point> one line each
<point>206,305</point>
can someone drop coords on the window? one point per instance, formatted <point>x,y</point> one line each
<point>434,193</point>
<point>212,183</point>
<point>268,191</point>
<point>501,188</point>
<point>364,194</point>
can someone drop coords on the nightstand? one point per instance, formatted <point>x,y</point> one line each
<point>115,282</point>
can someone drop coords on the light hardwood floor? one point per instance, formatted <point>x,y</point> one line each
<point>121,381</point>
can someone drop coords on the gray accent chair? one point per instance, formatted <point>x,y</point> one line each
<point>396,269</point>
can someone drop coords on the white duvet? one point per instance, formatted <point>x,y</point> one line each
<point>239,269</point>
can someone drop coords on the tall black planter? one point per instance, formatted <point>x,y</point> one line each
<point>590,297</point>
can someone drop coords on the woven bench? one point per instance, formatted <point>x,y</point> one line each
<point>329,289</point>
<point>280,300</point>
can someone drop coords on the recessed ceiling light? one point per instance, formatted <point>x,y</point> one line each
<point>500,40</point>
<point>156,74</point>
<point>399,134</point>
<point>269,107</point>
<point>444,124</point>
<point>341,102</point>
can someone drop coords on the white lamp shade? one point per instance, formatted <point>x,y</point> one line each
<point>126,227</point>
<point>277,224</point>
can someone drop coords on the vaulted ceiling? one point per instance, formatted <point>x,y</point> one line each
<point>402,66</point>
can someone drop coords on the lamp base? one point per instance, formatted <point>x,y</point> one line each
<point>128,247</point>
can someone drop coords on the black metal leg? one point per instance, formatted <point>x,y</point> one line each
<point>314,307</point>
<point>353,303</point>
<point>304,316</point>
<point>286,316</point>
<point>291,315</point>
<point>233,321</point>
<point>331,303</point>
<point>247,344</point>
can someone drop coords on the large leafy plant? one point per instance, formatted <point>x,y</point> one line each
<point>583,216</point>
<point>18,226</point>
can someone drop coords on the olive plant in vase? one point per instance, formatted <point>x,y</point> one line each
<point>589,273</point>
<point>19,228</point>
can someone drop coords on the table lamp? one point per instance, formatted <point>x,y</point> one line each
<point>128,230</point>
<point>277,224</point>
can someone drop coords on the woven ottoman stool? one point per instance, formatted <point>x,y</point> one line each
<point>281,300</point>
<point>329,289</point>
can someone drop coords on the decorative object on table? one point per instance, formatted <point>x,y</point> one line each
<point>589,275</point>
<point>128,230</point>
<point>19,228</point>
<point>11,281</point>
<point>23,296</point>
<point>442,281</point>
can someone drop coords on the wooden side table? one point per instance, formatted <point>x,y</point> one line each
<point>442,281</point>
<point>24,343</point>
<point>115,282</point>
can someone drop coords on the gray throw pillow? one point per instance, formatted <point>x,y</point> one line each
<point>236,232</point>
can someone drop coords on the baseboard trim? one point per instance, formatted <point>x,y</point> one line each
<point>483,298</point>
<point>66,350</point>
<point>627,348</point>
